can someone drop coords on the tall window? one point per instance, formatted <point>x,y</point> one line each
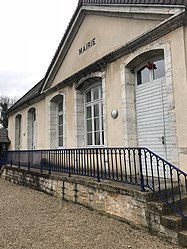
<point>56,117</point>
<point>94,116</point>
<point>18,132</point>
<point>60,123</point>
<point>31,137</point>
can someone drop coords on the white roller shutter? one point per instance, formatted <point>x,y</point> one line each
<point>152,121</point>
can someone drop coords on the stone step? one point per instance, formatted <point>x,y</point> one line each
<point>160,207</point>
<point>182,238</point>
<point>169,193</point>
<point>163,192</point>
<point>179,203</point>
<point>174,222</point>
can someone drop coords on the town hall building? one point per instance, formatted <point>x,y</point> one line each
<point>118,79</point>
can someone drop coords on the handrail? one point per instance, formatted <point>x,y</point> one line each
<point>167,181</point>
<point>136,166</point>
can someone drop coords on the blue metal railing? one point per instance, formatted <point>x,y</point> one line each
<point>136,166</point>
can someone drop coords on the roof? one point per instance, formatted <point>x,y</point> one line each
<point>147,2</point>
<point>4,136</point>
<point>33,93</point>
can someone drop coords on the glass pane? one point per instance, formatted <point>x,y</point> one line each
<point>89,138</point>
<point>89,125</point>
<point>60,130</point>
<point>96,124</point>
<point>96,93</point>
<point>97,138</point>
<point>143,75</point>
<point>60,120</point>
<point>101,109</point>
<point>89,112</point>
<point>88,96</point>
<point>101,92</point>
<point>158,69</point>
<point>60,107</point>
<point>103,137</point>
<point>60,141</point>
<point>34,116</point>
<point>96,110</point>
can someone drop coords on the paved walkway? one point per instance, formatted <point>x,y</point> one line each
<point>30,219</point>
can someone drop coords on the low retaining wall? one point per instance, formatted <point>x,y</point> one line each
<point>118,200</point>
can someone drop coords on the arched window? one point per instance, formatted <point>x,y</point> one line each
<point>94,116</point>
<point>89,105</point>
<point>18,128</point>
<point>56,117</point>
<point>60,123</point>
<point>31,127</point>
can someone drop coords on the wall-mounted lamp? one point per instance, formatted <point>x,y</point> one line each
<point>114,114</point>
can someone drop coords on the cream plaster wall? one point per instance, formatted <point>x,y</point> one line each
<point>69,132</point>
<point>179,55</point>
<point>11,131</point>
<point>176,77</point>
<point>42,118</point>
<point>41,141</point>
<point>109,32</point>
<point>42,125</point>
<point>69,117</point>
<point>113,93</point>
<point>179,69</point>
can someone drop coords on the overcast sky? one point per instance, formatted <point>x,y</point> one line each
<point>30,33</point>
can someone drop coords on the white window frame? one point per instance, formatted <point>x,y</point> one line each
<point>151,76</point>
<point>91,104</point>
<point>18,131</point>
<point>32,128</point>
<point>60,113</point>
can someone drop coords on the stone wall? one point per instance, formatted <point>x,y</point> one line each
<point>117,200</point>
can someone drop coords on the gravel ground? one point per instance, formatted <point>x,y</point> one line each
<point>30,219</point>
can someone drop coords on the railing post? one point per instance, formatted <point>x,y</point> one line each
<point>11,161</point>
<point>41,162</point>
<point>141,171</point>
<point>19,160</point>
<point>49,166</point>
<point>3,159</point>
<point>97,161</point>
<point>69,169</point>
<point>28,160</point>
